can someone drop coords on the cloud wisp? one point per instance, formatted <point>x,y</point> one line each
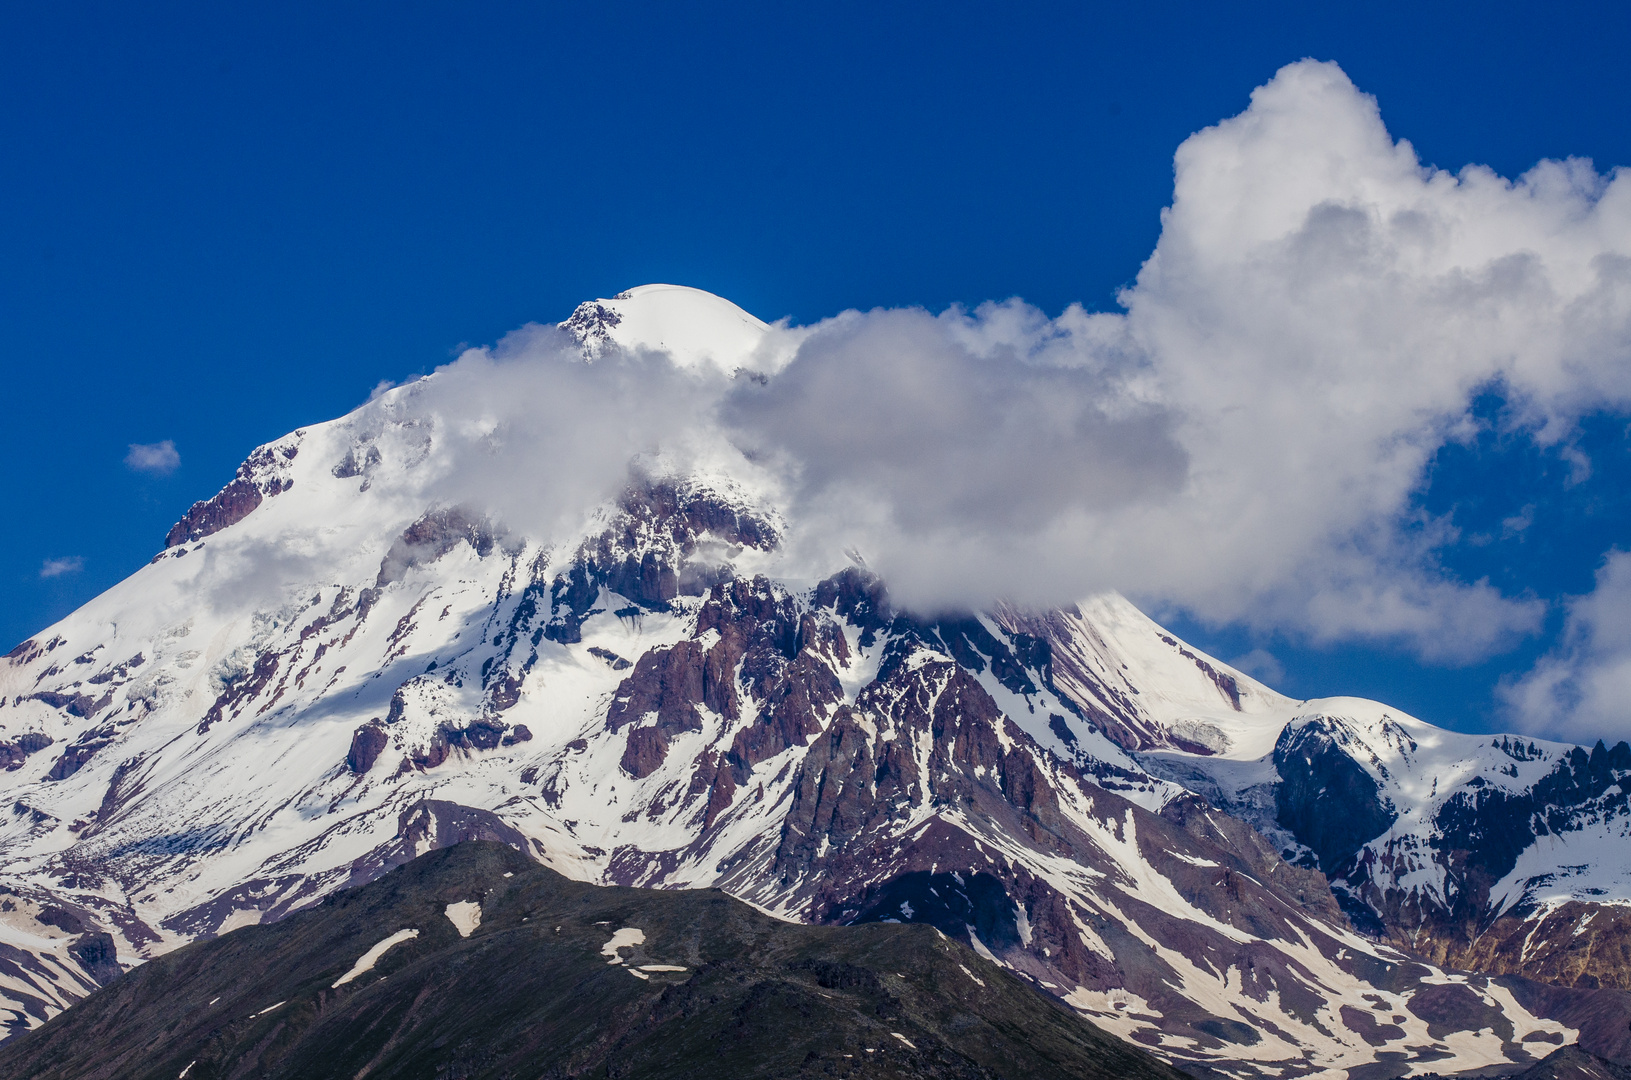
<point>159,459</point>
<point>71,564</point>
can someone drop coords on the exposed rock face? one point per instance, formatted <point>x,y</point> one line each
<point>1568,944</point>
<point>357,464</point>
<point>262,476</point>
<point>1481,833</point>
<point>14,752</point>
<point>592,325</point>
<point>670,538</point>
<point>761,648</point>
<point>98,956</point>
<point>81,705</point>
<point>926,733</point>
<point>227,507</point>
<point>366,745</point>
<point>1318,773</point>
<point>1308,885</point>
<point>242,690</point>
<point>75,757</point>
<point>430,538</point>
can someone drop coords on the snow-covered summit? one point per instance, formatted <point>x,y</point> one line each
<point>694,327</point>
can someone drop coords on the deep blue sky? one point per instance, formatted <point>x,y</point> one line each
<point>217,225</point>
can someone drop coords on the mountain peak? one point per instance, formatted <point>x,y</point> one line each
<point>695,327</point>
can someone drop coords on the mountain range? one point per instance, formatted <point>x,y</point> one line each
<point>334,666</point>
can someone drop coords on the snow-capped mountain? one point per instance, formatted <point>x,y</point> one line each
<point>332,667</point>
<point>1501,854</point>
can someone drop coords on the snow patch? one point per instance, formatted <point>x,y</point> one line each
<point>365,963</point>
<point>979,947</point>
<point>465,916</point>
<point>627,937</point>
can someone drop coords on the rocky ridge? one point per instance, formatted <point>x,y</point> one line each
<point>476,962</point>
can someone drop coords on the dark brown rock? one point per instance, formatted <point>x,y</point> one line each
<point>81,705</point>
<point>858,597</point>
<point>227,507</point>
<point>27,652</point>
<point>355,464</point>
<point>434,753</point>
<point>613,661</point>
<point>367,743</point>
<point>667,681</point>
<point>645,751</point>
<point>245,689</point>
<point>480,735</point>
<point>97,956</point>
<point>654,551</point>
<point>67,921</point>
<point>504,692</point>
<point>16,751</point>
<point>431,537</point>
<point>74,757</point>
<point>1572,944</point>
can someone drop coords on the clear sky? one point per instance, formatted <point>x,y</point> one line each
<point>219,224</point>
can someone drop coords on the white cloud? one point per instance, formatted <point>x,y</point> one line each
<point>1243,442</point>
<point>1582,689</point>
<point>536,437</point>
<point>1309,331</point>
<point>159,458</point>
<point>51,568</point>
<point>1261,665</point>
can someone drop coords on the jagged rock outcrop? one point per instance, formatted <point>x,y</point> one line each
<point>367,743</point>
<point>13,752</point>
<point>262,476</point>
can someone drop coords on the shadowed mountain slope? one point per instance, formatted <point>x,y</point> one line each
<point>559,978</point>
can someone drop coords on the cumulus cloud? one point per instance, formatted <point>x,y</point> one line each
<point>1580,690</point>
<point>1316,317</point>
<point>160,458</point>
<point>941,447</point>
<point>1245,440</point>
<point>71,564</point>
